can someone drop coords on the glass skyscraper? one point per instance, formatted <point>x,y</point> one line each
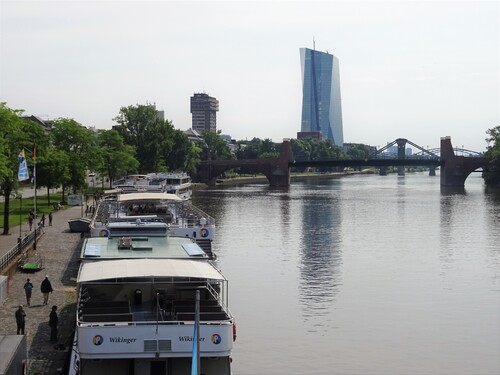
<point>321,107</point>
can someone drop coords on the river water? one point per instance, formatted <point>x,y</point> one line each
<point>363,274</point>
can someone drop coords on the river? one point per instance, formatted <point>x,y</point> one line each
<point>363,274</point>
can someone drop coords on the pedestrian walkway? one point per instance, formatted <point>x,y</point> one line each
<point>60,250</point>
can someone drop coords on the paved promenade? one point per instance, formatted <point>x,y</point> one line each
<point>60,251</point>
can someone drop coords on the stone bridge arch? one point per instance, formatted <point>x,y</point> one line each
<point>276,170</point>
<point>455,169</point>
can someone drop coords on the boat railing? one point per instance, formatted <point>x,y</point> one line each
<point>97,307</point>
<point>194,214</point>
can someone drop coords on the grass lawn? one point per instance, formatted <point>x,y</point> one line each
<point>18,213</point>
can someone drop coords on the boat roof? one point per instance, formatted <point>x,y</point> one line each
<point>147,196</point>
<point>106,248</point>
<point>112,191</point>
<point>133,268</point>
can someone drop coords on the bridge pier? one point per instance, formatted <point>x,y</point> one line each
<point>401,154</point>
<point>382,171</point>
<point>455,169</point>
<point>279,174</point>
<point>432,170</point>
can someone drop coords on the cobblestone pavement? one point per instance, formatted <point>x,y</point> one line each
<point>60,250</point>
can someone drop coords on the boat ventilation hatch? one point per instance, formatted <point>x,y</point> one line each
<point>125,243</point>
<point>157,345</point>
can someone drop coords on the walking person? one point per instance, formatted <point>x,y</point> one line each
<point>20,320</point>
<point>40,227</point>
<point>31,218</point>
<point>50,218</point>
<point>28,287</point>
<point>46,288</point>
<point>43,220</point>
<point>53,321</point>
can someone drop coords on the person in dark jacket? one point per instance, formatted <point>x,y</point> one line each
<point>53,321</point>
<point>20,320</point>
<point>28,287</point>
<point>46,289</point>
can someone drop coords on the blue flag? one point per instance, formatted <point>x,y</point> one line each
<point>195,357</point>
<point>22,174</point>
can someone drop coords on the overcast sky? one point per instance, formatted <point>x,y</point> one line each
<point>408,69</point>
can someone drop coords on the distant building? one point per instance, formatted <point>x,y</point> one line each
<point>46,125</point>
<point>313,135</point>
<point>204,109</point>
<point>193,135</point>
<point>321,106</point>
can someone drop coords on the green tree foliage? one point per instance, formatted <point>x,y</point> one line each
<point>15,135</point>
<point>315,149</point>
<point>79,144</point>
<point>491,174</point>
<point>258,149</point>
<point>193,157</point>
<point>52,168</point>
<point>159,147</point>
<point>117,158</point>
<point>358,151</point>
<point>214,147</point>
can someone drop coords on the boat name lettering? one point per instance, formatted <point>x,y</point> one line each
<point>189,338</point>
<point>121,339</point>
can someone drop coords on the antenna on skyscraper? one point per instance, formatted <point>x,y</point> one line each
<point>314,44</point>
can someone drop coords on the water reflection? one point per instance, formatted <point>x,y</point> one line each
<point>319,251</point>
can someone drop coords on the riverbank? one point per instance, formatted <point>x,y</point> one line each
<point>261,179</point>
<point>59,249</point>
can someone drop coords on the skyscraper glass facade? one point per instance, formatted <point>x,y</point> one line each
<point>321,106</point>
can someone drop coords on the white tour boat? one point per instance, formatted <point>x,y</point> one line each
<point>178,183</point>
<point>136,305</point>
<point>183,219</point>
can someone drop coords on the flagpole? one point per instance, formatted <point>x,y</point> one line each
<point>33,155</point>
<point>195,355</point>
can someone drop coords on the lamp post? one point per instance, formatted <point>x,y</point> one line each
<point>20,216</point>
<point>92,176</point>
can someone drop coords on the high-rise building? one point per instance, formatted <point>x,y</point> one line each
<point>321,107</point>
<point>203,109</point>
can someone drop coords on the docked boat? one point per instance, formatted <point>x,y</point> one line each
<point>178,183</point>
<point>182,218</point>
<point>136,303</point>
<point>81,224</point>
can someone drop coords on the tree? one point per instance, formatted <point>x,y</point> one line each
<point>52,169</point>
<point>117,158</point>
<point>214,147</point>
<point>79,144</point>
<point>11,143</point>
<point>491,174</point>
<point>358,151</point>
<point>158,145</point>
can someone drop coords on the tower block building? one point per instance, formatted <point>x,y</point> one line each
<point>321,105</point>
<point>204,110</point>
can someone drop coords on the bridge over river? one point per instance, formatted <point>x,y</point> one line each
<point>454,169</point>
